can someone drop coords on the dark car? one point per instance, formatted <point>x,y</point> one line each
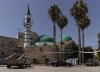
<point>96,63</point>
<point>92,63</point>
<point>88,63</point>
<point>59,63</point>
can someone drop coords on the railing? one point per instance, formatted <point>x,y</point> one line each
<point>21,56</point>
<point>10,56</point>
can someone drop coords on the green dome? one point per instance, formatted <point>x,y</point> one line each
<point>44,38</point>
<point>65,38</point>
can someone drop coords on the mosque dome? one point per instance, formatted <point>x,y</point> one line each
<point>65,38</point>
<point>44,38</point>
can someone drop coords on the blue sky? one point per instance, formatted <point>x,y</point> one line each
<point>12,13</point>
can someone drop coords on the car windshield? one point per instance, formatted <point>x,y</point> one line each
<point>58,61</point>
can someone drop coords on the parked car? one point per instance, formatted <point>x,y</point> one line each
<point>88,63</point>
<point>59,63</point>
<point>96,63</point>
<point>92,63</point>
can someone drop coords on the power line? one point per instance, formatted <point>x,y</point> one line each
<point>91,32</point>
<point>11,10</point>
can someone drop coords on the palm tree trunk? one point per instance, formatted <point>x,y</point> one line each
<point>79,40</point>
<point>61,46</point>
<point>54,35</point>
<point>83,46</point>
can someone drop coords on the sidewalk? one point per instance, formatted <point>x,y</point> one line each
<point>81,65</point>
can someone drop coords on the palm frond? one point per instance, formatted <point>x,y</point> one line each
<point>54,12</point>
<point>79,9</point>
<point>85,22</point>
<point>62,21</point>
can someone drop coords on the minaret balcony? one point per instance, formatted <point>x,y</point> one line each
<point>25,23</point>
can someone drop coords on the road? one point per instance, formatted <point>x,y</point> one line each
<point>51,69</point>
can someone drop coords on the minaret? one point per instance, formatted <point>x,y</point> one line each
<point>27,25</point>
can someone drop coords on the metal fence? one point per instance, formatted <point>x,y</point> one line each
<point>74,61</point>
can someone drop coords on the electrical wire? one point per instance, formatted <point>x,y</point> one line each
<point>11,10</point>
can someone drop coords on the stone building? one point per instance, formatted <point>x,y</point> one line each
<point>8,45</point>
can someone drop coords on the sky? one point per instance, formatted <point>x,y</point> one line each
<point>12,13</point>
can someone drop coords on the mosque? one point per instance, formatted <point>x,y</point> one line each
<point>38,48</point>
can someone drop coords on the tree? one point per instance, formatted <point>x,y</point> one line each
<point>71,51</point>
<point>88,56</point>
<point>54,13</point>
<point>62,22</point>
<point>98,46</point>
<point>78,11</point>
<point>85,22</point>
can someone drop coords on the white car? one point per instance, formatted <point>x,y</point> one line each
<point>27,61</point>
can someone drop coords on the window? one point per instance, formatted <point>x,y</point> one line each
<point>45,44</point>
<point>2,45</point>
<point>31,38</point>
<point>20,37</point>
<point>10,42</point>
<point>2,53</point>
<point>28,20</point>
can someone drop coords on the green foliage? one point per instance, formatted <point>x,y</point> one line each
<point>98,46</point>
<point>88,56</point>
<point>88,49</point>
<point>98,56</point>
<point>99,35</point>
<point>71,51</point>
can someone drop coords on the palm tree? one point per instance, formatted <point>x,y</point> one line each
<point>78,11</point>
<point>85,23</point>
<point>54,13</point>
<point>62,22</point>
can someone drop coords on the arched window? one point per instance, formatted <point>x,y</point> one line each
<point>28,20</point>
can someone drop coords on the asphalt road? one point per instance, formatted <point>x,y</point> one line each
<point>50,69</point>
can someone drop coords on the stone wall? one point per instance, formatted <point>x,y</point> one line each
<point>63,44</point>
<point>8,44</point>
<point>41,53</point>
